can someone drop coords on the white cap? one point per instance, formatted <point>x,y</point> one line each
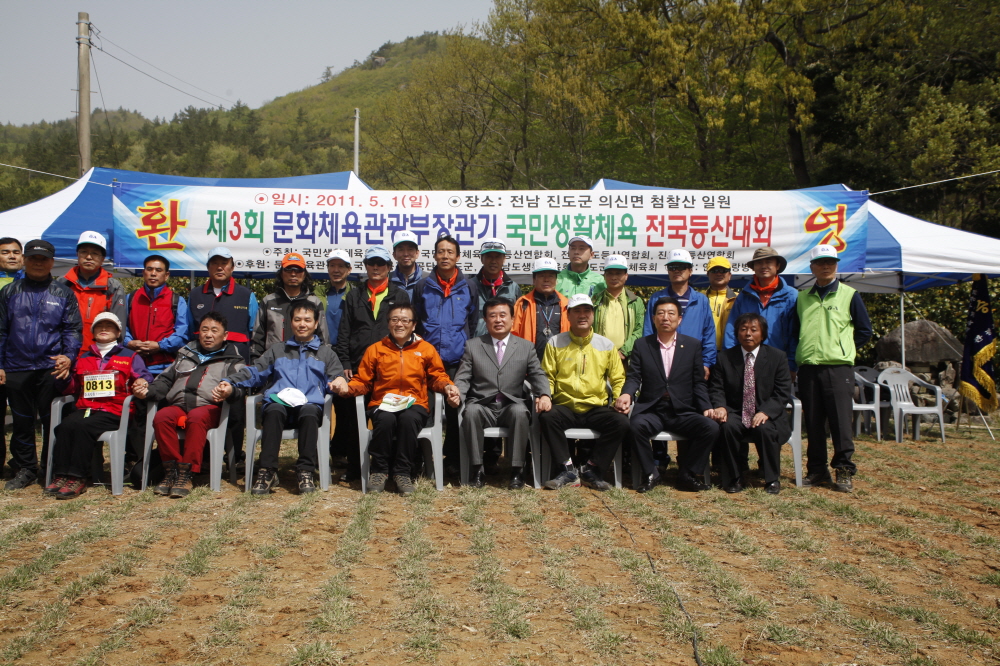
<point>545,264</point>
<point>92,238</point>
<point>680,257</point>
<point>616,261</point>
<point>582,239</point>
<point>577,300</point>
<point>339,254</point>
<point>405,237</point>
<point>106,316</point>
<point>823,252</point>
<point>221,251</point>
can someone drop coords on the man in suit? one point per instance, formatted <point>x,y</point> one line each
<point>749,388</point>
<point>667,373</point>
<point>491,380</point>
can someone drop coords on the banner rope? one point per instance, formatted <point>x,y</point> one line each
<point>936,182</point>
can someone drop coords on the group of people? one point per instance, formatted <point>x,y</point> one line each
<point>579,350</point>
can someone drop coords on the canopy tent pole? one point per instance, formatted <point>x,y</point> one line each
<point>984,422</point>
<point>902,329</point>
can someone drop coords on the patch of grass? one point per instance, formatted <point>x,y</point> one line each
<point>882,634</point>
<point>171,584</point>
<point>781,634</point>
<point>721,655</point>
<point>320,653</point>
<point>798,539</point>
<point>992,578</point>
<point>234,616</point>
<point>740,542</point>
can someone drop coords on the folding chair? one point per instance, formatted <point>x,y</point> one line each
<point>898,382</point>
<point>114,438</point>
<point>216,439</point>
<point>432,436</point>
<point>322,443</point>
<point>864,409</point>
<point>534,441</point>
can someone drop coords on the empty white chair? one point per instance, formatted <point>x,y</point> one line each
<point>216,439</point>
<point>114,438</point>
<point>864,409</point>
<point>898,382</point>
<point>432,435</point>
<point>322,443</point>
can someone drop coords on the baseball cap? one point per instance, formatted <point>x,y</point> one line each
<point>545,264</point>
<point>768,253</point>
<point>92,238</point>
<point>378,252</point>
<point>492,245</point>
<point>577,300</point>
<point>220,251</point>
<point>293,259</point>
<point>339,254</point>
<point>39,247</point>
<point>405,237</point>
<point>582,239</point>
<point>680,257</point>
<point>719,262</point>
<point>616,261</point>
<point>106,316</point>
<point>823,252</point>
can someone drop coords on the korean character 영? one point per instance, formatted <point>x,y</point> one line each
<point>677,225</point>
<point>708,201</point>
<point>699,228</point>
<point>689,201</point>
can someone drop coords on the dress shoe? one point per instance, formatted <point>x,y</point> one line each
<point>772,488</point>
<point>477,480</point>
<point>689,484</point>
<point>648,483</point>
<point>516,479</point>
<point>735,487</point>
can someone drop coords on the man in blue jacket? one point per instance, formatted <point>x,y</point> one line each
<point>696,311</point>
<point>406,251</point>
<point>774,299</point>
<point>11,268</point>
<point>40,335</point>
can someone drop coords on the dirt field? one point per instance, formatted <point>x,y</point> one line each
<point>904,571</point>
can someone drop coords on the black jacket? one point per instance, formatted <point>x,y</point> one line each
<point>687,376</point>
<point>772,384</point>
<point>359,328</point>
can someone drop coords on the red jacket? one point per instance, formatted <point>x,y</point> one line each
<point>152,320</point>
<point>125,364</point>
<point>106,294</point>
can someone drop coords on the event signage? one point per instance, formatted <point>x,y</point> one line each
<point>260,225</point>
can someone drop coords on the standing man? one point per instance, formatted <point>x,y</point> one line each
<point>39,338</point>
<point>406,250</point>
<point>749,389</point>
<point>492,281</point>
<point>11,268</point>
<point>834,323</point>
<point>773,298</point>
<point>221,294</point>
<point>666,370</point>
<point>580,364</point>
<point>577,278</point>
<point>618,312</point>
<point>293,286</point>
<point>338,267</point>
<point>491,382</point>
<point>720,296</point>
<point>696,313</point>
<point>96,291</point>
<point>541,313</point>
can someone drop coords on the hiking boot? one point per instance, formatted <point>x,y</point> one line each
<point>844,483</point>
<point>565,478</point>
<point>593,480</point>
<point>404,484</point>
<point>182,486</point>
<point>815,479</point>
<point>264,482</point>
<point>376,482</point>
<point>306,484</point>
<point>23,479</point>
<point>53,488</point>
<point>74,487</point>
<point>169,478</point>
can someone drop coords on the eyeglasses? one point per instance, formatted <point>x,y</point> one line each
<point>714,271</point>
<point>293,269</point>
<point>677,267</point>
<point>400,320</point>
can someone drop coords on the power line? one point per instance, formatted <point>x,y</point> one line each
<point>936,182</point>
<point>104,105</point>
<point>46,173</point>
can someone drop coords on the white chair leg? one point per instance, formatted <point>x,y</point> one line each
<point>148,443</point>
<point>216,444</point>
<point>323,445</point>
<point>364,434</point>
<point>618,467</point>
<point>116,451</point>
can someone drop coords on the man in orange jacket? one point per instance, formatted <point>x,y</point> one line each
<point>541,313</point>
<point>95,290</point>
<point>399,367</point>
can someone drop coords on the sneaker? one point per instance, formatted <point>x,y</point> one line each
<point>817,479</point>
<point>593,480</point>
<point>53,488</point>
<point>844,481</point>
<point>376,482</point>
<point>404,484</point>
<point>264,482</point>
<point>565,478</point>
<point>182,486</point>
<point>23,479</point>
<point>169,478</point>
<point>74,487</point>
<point>306,484</point>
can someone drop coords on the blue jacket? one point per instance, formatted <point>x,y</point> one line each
<point>407,284</point>
<point>38,320</point>
<point>444,322</point>
<point>307,367</point>
<point>697,322</point>
<point>782,320</point>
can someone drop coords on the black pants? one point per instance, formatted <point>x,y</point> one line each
<point>692,456</point>
<point>827,394</point>
<point>29,392</point>
<point>393,447</point>
<point>733,448</point>
<point>452,436</point>
<point>76,438</point>
<point>276,417</point>
<point>345,436</point>
<point>612,427</point>
<point>3,426</point>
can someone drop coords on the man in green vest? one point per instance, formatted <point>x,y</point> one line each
<point>577,278</point>
<point>833,324</point>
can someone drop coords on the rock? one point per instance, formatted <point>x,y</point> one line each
<point>926,344</point>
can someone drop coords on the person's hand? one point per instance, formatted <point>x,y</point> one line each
<point>348,374</point>
<point>622,356</point>
<point>62,366</point>
<point>136,345</point>
<point>623,403</point>
<point>3,377</point>
<point>719,414</point>
<point>339,386</point>
<point>222,391</point>
<point>794,374</point>
<point>758,418</point>
<point>707,373</point>
<point>454,397</point>
<point>152,346</point>
<point>140,390</point>
<point>543,403</point>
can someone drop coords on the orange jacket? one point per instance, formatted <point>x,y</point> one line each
<point>105,294</point>
<point>385,368</point>
<point>526,315</point>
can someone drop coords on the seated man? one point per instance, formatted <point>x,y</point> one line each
<point>750,387</point>
<point>296,374</point>
<point>666,372</point>
<point>406,366</point>
<point>187,388</point>
<point>491,380</point>
<point>98,406</point>
<point>580,364</point>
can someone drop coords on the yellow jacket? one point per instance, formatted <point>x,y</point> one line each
<point>721,303</point>
<point>580,368</point>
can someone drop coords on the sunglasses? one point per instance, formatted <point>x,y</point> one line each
<point>377,262</point>
<point>293,269</point>
<point>716,271</point>
<point>677,267</point>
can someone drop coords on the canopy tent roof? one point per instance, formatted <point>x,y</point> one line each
<point>86,205</point>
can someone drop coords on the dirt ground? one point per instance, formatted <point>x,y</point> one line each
<point>906,570</point>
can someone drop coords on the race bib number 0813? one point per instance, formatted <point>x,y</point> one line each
<point>99,386</point>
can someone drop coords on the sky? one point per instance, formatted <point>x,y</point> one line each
<point>247,50</point>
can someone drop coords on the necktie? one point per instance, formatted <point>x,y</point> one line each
<point>749,392</point>
<point>499,361</point>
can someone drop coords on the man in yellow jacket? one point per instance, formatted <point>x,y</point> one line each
<point>580,364</point>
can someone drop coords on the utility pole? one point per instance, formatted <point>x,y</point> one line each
<point>83,70</point>
<point>357,139</point>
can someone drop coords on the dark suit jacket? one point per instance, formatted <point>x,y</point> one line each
<point>479,378</point>
<point>773,385</point>
<point>687,376</point>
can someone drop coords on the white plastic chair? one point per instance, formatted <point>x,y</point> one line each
<point>534,441</point>
<point>432,436</point>
<point>322,442</point>
<point>864,408</point>
<point>216,438</point>
<point>898,382</point>
<point>114,438</point>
